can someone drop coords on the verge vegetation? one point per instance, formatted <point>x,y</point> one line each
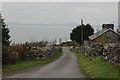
<point>95,67</point>
<point>28,63</point>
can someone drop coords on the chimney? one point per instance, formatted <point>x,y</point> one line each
<point>118,30</point>
<point>107,26</point>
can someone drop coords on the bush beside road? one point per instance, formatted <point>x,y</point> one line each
<point>28,63</point>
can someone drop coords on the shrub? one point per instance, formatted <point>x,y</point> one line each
<point>5,55</point>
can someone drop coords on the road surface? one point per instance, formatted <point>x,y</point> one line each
<point>64,67</point>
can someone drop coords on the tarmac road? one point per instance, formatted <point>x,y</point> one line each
<point>64,67</point>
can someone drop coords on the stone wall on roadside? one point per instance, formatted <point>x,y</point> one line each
<point>93,50</point>
<point>110,51</point>
<point>41,52</point>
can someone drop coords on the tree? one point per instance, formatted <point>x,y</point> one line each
<point>5,41</point>
<point>5,34</point>
<point>76,33</point>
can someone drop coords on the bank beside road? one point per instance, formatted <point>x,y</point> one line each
<point>22,64</point>
<point>95,67</point>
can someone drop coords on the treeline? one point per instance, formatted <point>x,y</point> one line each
<point>68,43</point>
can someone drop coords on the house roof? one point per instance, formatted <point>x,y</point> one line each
<point>100,32</point>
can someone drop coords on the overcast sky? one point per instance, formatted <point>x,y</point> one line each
<point>95,13</point>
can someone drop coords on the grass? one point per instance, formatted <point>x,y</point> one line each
<point>28,63</point>
<point>97,68</point>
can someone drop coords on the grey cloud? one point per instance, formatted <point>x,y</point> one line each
<point>93,12</point>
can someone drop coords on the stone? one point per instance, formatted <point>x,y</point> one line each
<point>109,51</point>
<point>41,52</point>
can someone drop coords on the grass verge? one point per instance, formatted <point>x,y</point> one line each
<point>95,67</point>
<point>28,63</point>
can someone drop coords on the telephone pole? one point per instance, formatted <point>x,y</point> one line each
<point>81,31</point>
<point>82,35</point>
<point>60,40</point>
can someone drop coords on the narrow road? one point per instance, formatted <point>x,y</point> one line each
<point>64,67</point>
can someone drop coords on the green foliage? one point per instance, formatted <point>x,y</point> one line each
<point>76,33</point>
<point>7,58</point>
<point>5,34</point>
<point>5,42</point>
<point>34,44</point>
<point>29,63</point>
<point>68,43</point>
<point>5,55</point>
<point>15,52</point>
<point>97,68</point>
<point>12,59</point>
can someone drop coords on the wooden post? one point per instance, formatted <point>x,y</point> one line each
<point>82,35</point>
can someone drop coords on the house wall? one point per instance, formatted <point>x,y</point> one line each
<point>112,37</point>
<point>108,37</point>
<point>100,39</point>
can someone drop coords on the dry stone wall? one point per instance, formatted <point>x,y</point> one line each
<point>94,50</point>
<point>110,51</point>
<point>41,52</point>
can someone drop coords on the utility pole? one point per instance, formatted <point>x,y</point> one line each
<point>82,31</point>
<point>82,35</point>
<point>55,41</point>
<point>0,42</point>
<point>0,20</point>
<point>60,41</point>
